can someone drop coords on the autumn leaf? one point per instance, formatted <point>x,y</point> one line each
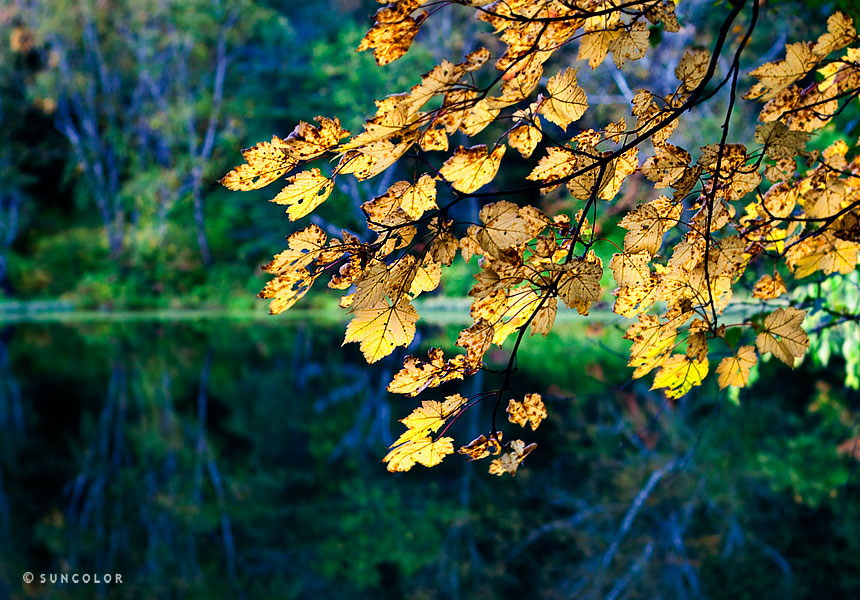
<point>735,370</point>
<point>424,451</point>
<point>265,163</point>
<point>783,335</point>
<point>380,329</point>
<point>679,374</point>
<point>472,168</point>
<point>531,410</point>
<point>305,192</point>
<point>510,461</point>
<point>566,102</point>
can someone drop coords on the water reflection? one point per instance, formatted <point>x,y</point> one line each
<point>232,459</point>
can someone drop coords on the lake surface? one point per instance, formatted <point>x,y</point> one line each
<point>226,458</point>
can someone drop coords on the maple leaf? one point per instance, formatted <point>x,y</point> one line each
<point>566,102</point>
<point>305,192</point>
<point>265,163</point>
<point>417,376</point>
<point>380,329</point>
<point>510,461</point>
<point>524,138</point>
<point>776,76</point>
<point>531,410</point>
<point>667,166</point>
<point>735,370</point>
<point>469,169</point>
<point>580,282</point>
<point>425,451</point>
<point>679,374</point>
<point>779,141</point>
<point>769,287</point>
<point>630,269</point>
<point>840,33</point>
<point>692,68</point>
<point>393,32</point>
<point>482,446</point>
<point>783,335</point>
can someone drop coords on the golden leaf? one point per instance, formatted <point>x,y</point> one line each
<point>735,370</point>
<point>524,138</point>
<point>779,141</point>
<point>566,102</point>
<point>482,446</point>
<point>652,341</point>
<point>558,164</point>
<point>645,227</point>
<point>840,33</point>
<point>510,461</point>
<point>424,451</point>
<point>306,191</point>
<point>667,165</point>
<point>783,335</point>
<point>545,317</point>
<point>392,34</point>
<point>769,287</point>
<point>303,247</point>
<point>265,163</point>
<point>692,68</point>
<point>380,329</point>
<point>416,375</point>
<point>426,278</point>
<point>580,282</point>
<point>472,168</point>
<point>630,269</point>
<point>679,374</point>
<point>630,45</point>
<point>776,76</point>
<point>531,410</point>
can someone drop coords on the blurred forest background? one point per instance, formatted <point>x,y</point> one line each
<point>153,421</point>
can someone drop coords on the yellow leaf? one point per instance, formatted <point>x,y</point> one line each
<point>769,287</point>
<point>645,227</point>
<point>840,33</point>
<point>380,329</point>
<point>510,461</point>
<point>667,165</point>
<point>427,277</point>
<point>679,374</point>
<point>776,76</point>
<point>566,102</point>
<point>392,34</point>
<point>580,282</point>
<point>265,163</point>
<point>425,451</point>
<point>630,269</point>
<point>692,68</point>
<point>524,138</point>
<point>306,191</point>
<point>472,168</point>
<point>416,198</point>
<point>630,45</point>
<point>735,370</point>
<point>304,247</point>
<point>531,410</point>
<point>558,164</point>
<point>482,447</point>
<point>545,317</point>
<point>416,375</point>
<point>783,335</point>
<point>652,341</point>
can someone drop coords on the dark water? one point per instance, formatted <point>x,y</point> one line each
<point>229,459</point>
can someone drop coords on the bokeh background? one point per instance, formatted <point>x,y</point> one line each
<point>155,422</point>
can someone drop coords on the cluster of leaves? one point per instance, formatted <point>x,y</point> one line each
<point>684,251</point>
